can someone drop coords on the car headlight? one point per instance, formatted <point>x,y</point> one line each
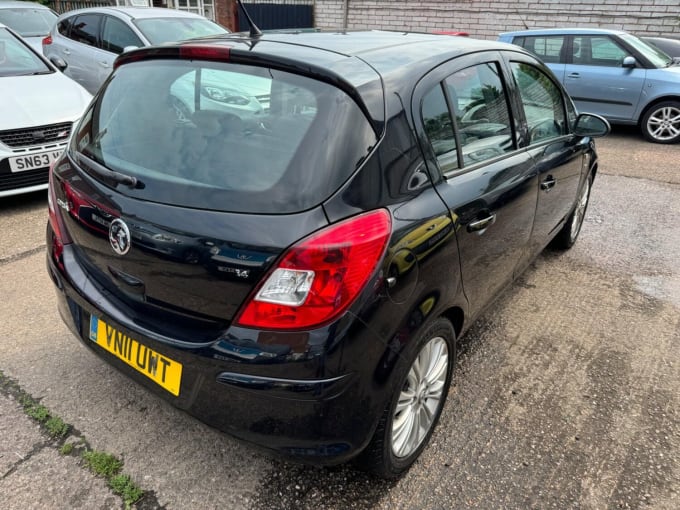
<point>225,96</point>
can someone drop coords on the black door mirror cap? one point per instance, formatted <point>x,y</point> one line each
<point>59,63</point>
<point>589,124</point>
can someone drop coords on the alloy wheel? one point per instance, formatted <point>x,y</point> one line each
<point>664,123</point>
<point>420,398</point>
<point>579,212</point>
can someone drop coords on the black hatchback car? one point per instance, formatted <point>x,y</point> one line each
<point>285,235</point>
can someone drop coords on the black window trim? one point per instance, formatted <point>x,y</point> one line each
<point>442,72</point>
<point>516,57</point>
<point>105,20</point>
<point>98,42</point>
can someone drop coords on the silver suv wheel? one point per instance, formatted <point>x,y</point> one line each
<point>661,124</point>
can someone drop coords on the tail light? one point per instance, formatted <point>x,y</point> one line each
<point>317,279</point>
<point>47,40</point>
<point>59,237</point>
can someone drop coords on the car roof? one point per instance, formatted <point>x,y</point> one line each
<point>386,51</point>
<point>135,12</point>
<point>560,31</point>
<point>368,62</point>
<point>12,4</point>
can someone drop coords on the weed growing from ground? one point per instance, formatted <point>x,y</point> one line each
<point>126,489</point>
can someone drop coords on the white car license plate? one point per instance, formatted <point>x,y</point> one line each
<point>33,161</point>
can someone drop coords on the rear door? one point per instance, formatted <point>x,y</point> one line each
<point>597,81</point>
<point>469,136</point>
<point>80,48</point>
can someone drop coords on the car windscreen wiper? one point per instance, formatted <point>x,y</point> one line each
<point>112,175</point>
<point>35,73</point>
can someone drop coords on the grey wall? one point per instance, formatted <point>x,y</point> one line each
<point>486,19</point>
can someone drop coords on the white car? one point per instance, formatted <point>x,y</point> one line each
<point>30,20</point>
<point>38,106</point>
<point>89,40</point>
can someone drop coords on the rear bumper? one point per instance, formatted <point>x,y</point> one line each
<point>296,408</point>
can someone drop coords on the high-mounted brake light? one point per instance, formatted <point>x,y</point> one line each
<point>59,237</point>
<point>195,51</point>
<point>202,52</point>
<point>317,279</point>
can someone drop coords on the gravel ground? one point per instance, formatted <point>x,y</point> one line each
<point>566,394</point>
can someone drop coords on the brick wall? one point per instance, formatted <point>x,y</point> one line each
<point>485,19</point>
<point>225,13</point>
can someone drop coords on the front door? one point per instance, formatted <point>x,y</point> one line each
<point>596,80</point>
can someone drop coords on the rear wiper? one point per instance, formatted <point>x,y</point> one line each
<point>102,171</point>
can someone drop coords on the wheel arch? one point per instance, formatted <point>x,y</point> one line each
<point>654,102</point>
<point>456,317</point>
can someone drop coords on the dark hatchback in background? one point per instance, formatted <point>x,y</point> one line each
<point>297,275</point>
<point>671,47</point>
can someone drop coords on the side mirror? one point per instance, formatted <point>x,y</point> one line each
<point>59,63</point>
<point>629,62</point>
<point>589,124</point>
<point>129,48</point>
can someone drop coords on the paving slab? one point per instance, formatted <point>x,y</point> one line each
<point>33,474</point>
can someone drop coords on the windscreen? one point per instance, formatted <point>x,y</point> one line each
<point>28,22</point>
<point>224,137</point>
<point>163,30</point>
<point>656,56</point>
<point>16,59</point>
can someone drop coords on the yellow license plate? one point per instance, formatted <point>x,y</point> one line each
<point>162,370</point>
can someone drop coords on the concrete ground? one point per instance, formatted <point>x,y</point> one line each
<point>566,394</point>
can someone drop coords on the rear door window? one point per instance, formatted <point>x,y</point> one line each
<point>467,117</point>
<point>64,26</point>
<point>481,110</point>
<point>224,136</point>
<point>85,29</point>
<point>547,48</point>
<point>439,128</point>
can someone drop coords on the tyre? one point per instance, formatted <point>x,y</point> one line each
<point>416,404</point>
<point>567,236</point>
<point>661,123</point>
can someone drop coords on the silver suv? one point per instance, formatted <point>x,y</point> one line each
<point>612,73</point>
<point>89,40</point>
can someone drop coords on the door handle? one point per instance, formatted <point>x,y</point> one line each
<point>548,183</point>
<point>104,64</point>
<point>66,52</point>
<point>483,224</point>
<point>573,75</point>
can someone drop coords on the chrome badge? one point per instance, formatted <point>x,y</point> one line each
<point>119,236</point>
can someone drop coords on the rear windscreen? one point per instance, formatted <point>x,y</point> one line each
<point>223,136</point>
